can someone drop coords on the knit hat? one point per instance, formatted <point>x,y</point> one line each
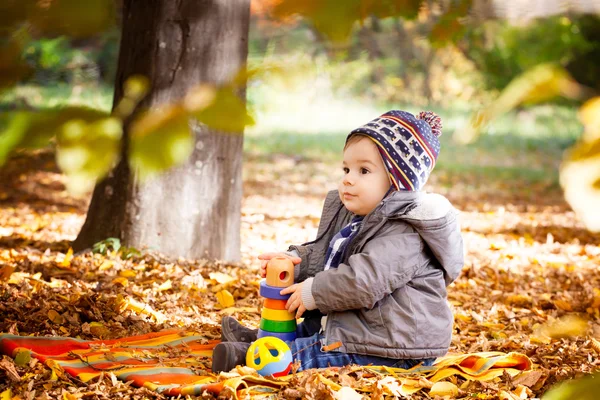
<point>409,145</point>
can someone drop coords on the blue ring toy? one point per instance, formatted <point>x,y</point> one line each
<point>272,292</point>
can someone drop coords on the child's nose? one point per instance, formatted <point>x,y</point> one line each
<point>348,179</point>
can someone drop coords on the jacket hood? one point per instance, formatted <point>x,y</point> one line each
<point>436,221</point>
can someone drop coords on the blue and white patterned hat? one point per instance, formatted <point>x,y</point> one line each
<point>409,145</point>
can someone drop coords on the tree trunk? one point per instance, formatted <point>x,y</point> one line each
<point>191,211</point>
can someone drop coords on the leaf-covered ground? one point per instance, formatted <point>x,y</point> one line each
<point>530,283</point>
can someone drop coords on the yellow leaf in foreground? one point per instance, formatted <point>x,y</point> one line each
<point>99,330</point>
<point>121,281</point>
<point>595,345</point>
<point>231,310</point>
<point>563,305</point>
<point>165,285</point>
<point>106,265</point>
<point>6,395</point>
<point>66,262</point>
<point>347,393</point>
<point>444,389</point>
<point>138,307</point>
<point>225,299</point>
<point>55,317</point>
<point>69,396</point>
<point>567,326</point>
<point>220,277</point>
<point>6,271</point>
<point>127,273</point>
<point>577,389</point>
<point>22,357</point>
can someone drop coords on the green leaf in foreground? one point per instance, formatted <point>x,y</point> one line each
<point>160,139</point>
<point>103,246</point>
<point>579,389</point>
<point>87,151</point>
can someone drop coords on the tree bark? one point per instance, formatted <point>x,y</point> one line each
<point>194,210</point>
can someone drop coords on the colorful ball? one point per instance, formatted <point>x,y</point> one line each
<point>270,356</point>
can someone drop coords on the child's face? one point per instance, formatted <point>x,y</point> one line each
<point>365,179</point>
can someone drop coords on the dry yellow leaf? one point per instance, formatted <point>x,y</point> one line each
<point>491,325</point>
<point>563,305</point>
<point>444,389</point>
<point>347,393</point>
<point>539,339</point>
<point>596,301</point>
<point>66,261</point>
<point>463,317</point>
<point>165,285</point>
<point>70,396</point>
<point>220,277</point>
<point>596,345</point>
<point>127,273</point>
<point>126,303</point>
<point>55,317</point>
<point>225,298</point>
<point>121,281</point>
<point>6,395</point>
<point>504,395</point>
<point>6,271</point>
<point>519,300</point>
<point>496,246</point>
<point>106,265</point>
<point>99,330</point>
<point>567,326</point>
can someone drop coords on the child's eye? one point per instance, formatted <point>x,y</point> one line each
<point>364,171</point>
<point>346,170</point>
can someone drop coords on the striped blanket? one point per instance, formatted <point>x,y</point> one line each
<point>168,362</point>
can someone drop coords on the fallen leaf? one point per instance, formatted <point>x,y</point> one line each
<point>225,298</point>
<point>347,393</point>
<point>6,271</point>
<point>66,261</point>
<point>444,389</point>
<point>55,317</point>
<point>528,378</point>
<point>220,277</point>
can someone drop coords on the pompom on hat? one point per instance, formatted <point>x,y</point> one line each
<point>409,145</point>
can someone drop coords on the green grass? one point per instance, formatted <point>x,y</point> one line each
<point>527,145</point>
<point>311,123</point>
<point>56,95</point>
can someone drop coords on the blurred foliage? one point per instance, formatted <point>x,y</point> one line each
<point>50,18</point>
<point>385,52</point>
<point>335,19</point>
<point>580,169</point>
<point>106,245</point>
<point>502,51</point>
<point>577,389</point>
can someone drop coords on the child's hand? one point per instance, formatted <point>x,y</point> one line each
<point>265,257</point>
<point>295,301</point>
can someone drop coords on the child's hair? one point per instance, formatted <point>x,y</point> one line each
<point>353,138</point>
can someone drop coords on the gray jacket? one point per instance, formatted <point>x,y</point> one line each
<point>387,298</point>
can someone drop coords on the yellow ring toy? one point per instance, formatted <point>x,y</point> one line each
<point>277,315</point>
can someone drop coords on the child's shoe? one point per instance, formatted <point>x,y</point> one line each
<point>233,331</point>
<point>227,355</point>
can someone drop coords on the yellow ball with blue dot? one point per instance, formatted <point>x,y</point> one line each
<point>270,356</point>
